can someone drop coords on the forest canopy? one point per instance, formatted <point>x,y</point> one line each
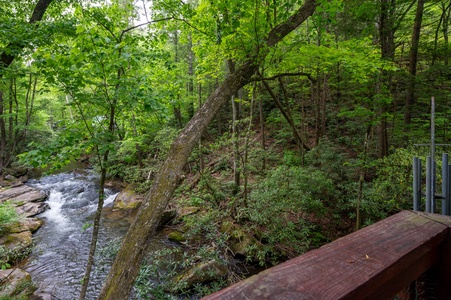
<point>305,111</point>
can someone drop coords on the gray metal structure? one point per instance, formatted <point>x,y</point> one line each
<point>431,178</point>
<point>430,205</point>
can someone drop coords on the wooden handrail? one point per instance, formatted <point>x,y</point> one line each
<point>375,262</point>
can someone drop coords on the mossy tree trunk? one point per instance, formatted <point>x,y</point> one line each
<point>125,268</point>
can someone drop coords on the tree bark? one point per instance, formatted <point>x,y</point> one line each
<point>235,132</point>
<point>387,43</point>
<point>410,99</point>
<point>126,265</point>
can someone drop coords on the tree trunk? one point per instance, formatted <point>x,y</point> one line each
<point>387,43</point>
<point>445,34</point>
<point>95,235</point>
<point>235,132</point>
<point>190,77</point>
<point>125,268</point>
<point>297,137</point>
<point>410,99</point>
<point>2,135</point>
<point>262,131</point>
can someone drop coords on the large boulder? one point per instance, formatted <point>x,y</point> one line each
<point>31,209</point>
<point>22,194</point>
<point>26,224</point>
<point>202,272</point>
<point>27,200</point>
<point>127,200</point>
<point>18,241</point>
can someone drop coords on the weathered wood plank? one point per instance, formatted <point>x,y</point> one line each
<point>372,263</point>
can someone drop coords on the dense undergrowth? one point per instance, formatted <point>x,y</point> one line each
<point>292,205</point>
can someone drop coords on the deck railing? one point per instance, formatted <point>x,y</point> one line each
<point>376,262</point>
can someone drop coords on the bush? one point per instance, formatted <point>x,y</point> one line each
<point>283,205</point>
<point>7,215</point>
<point>392,189</point>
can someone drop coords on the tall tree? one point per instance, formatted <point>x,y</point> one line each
<point>12,49</point>
<point>133,248</point>
<point>8,54</point>
<point>413,59</point>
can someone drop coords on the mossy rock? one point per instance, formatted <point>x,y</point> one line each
<point>176,236</point>
<point>202,272</point>
<point>226,226</point>
<point>187,210</point>
<point>21,240</point>
<point>127,200</point>
<point>240,241</point>
<point>31,224</point>
<point>15,284</point>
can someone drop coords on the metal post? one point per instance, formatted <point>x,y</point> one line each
<point>428,184</point>
<point>416,185</point>
<point>433,168</point>
<point>445,183</point>
<point>448,195</point>
<point>434,186</point>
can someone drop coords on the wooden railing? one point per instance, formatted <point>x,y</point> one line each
<point>376,262</point>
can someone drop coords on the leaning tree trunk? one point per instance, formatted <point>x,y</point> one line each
<point>125,268</point>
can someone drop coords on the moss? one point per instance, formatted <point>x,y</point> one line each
<point>176,236</point>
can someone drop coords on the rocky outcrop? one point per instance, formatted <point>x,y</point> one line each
<point>127,200</point>
<point>202,272</point>
<point>126,205</point>
<point>27,201</point>
<point>17,236</point>
<point>15,283</point>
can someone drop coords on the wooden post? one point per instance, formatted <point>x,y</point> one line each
<point>444,267</point>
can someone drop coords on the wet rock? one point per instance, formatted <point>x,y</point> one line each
<point>40,295</point>
<point>31,209</point>
<point>15,283</point>
<point>76,205</point>
<point>22,194</point>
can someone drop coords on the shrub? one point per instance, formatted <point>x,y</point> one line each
<point>283,205</point>
<point>7,215</point>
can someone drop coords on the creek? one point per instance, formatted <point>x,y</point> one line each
<point>61,250</point>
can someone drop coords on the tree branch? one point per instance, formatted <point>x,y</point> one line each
<point>38,13</point>
<point>125,268</point>
<point>308,75</point>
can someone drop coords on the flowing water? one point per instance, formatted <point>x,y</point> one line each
<point>59,258</point>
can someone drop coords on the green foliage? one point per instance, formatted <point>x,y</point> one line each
<point>281,204</point>
<point>330,159</point>
<point>392,189</point>
<point>8,215</point>
<point>23,291</point>
<point>12,256</point>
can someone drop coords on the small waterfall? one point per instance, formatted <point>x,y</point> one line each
<point>59,258</point>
